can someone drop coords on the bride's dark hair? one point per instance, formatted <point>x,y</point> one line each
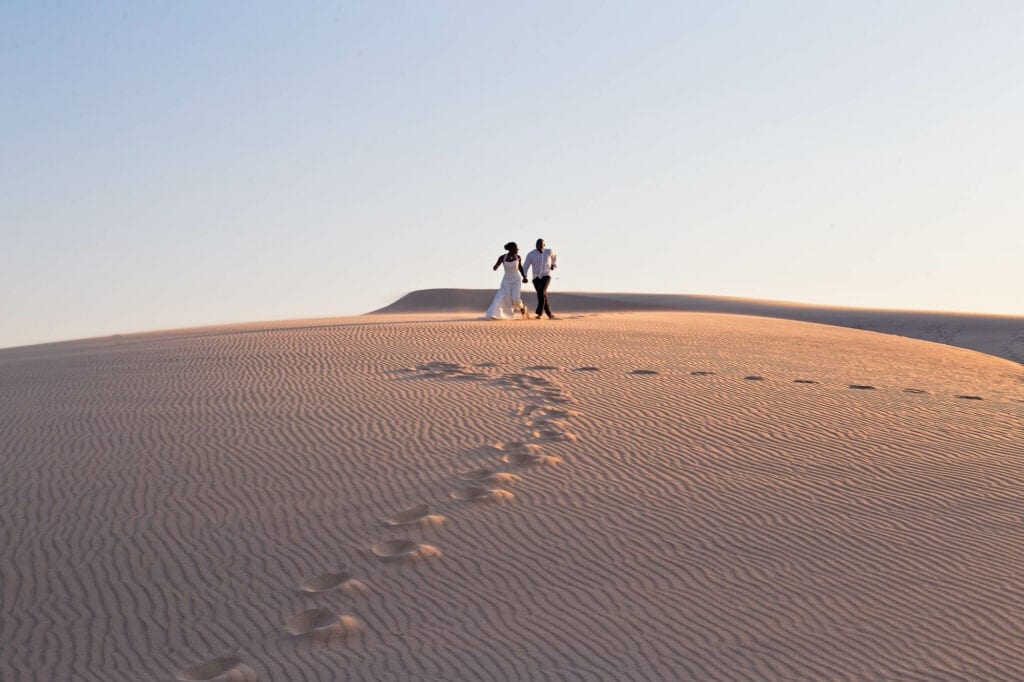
<point>510,246</point>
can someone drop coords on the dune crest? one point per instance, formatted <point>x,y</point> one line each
<point>999,335</point>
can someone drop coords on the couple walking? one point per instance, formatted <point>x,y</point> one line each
<point>508,302</point>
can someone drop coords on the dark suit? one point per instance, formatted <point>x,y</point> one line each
<point>541,285</point>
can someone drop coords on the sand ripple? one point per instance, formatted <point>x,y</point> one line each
<point>226,669</point>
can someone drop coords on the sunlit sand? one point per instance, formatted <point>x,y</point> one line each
<point>612,495</point>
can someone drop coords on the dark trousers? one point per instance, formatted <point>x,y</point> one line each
<point>541,285</point>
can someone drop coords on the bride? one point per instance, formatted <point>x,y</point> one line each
<point>508,301</point>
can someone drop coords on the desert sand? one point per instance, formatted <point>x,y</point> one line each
<point>608,496</point>
<point>999,335</point>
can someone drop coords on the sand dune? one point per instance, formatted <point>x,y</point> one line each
<point>999,335</point>
<point>624,496</point>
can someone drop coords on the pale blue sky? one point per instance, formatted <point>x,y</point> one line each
<point>174,164</point>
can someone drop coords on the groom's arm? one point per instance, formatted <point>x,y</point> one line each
<point>554,257</point>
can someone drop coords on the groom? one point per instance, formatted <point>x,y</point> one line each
<point>543,262</point>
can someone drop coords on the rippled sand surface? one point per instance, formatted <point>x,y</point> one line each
<point>606,496</point>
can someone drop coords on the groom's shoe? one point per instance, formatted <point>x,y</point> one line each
<point>537,318</point>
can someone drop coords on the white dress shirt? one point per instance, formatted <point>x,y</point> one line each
<point>542,262</point>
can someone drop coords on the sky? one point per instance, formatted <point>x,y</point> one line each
<point>165,165</point>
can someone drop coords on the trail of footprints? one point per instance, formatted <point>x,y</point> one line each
<point>544,415</point>
<point>854,387</point>
<point>543,411</point>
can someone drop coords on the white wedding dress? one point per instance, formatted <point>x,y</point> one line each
<point>508,302</point>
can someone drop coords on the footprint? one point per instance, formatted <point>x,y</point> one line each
<point>643,372</point>
<point>545,412</point>
<point>449,370</point>
<point>333,581</point>
<point>553,434</point>
<point>320,621</point>
<point>486,364</point>
<point>540,368</point>
<point>528,409</point>
<point>516,446</point>
<point>485,475</point>
<point>559,412</point>
<point>550,392</point>
<point>468,376</point>
<point>702,373</point>
<point>519,453</point>
<point>862,387</point>
<point>522,381</point>
<point>418,515</point>
<point>970,397</point>
<point>404,550</point>
<point>917,391</point>
<point>754,377</point>
<point>440,366</point>
<point>481,494</point>
<point>586,369</point>
<point>224,668</point>
<point>804,381</point>
<point>526,459</point>
<point>546,422</point>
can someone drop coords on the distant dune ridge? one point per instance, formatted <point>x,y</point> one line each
<point>999,335</point>
<point>614,496</point>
